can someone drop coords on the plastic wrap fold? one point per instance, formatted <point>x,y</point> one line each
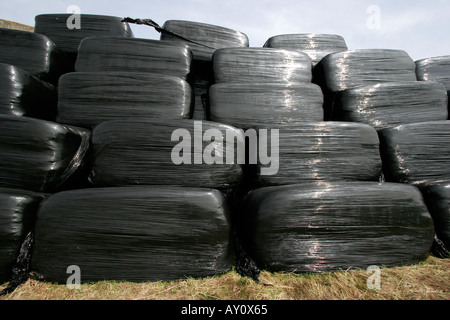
<point>22,94</point>
<point>207,37</point>
<point>67,30</point>
<point>437,198</point>
<point>315,45</point>
<point>175,152</point>
<point>261,65</point>
<point>34,53</point>
<point>355,68</point>
<point>326,227</point>
<point>390,104</point>
<point>119,54</point>
<point>18,209</point>
<point>145,233</point>
<point>254,104</point>
<point>319,151</point>
<point>40,155</point>
<point>417,153</point>
<point>86,98</point>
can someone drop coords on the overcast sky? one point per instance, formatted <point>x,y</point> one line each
<point>421,28</point>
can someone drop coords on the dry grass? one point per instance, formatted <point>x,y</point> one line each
<point>429,280</point>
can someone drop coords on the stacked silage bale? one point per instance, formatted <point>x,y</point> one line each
<point>163,180</point>
<point>204,40</point>
<point>38,155</point>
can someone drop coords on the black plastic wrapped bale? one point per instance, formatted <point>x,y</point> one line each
<point>56,27</point>
<point>261,65</point>
<point>18,209</point>
<point>390,104</point>
<point>176,152</point>
<point>326,227</point>
<point>437,198</point>
<point>86,99</point>
<point>40,155</point>
<point>435,69</point>
<point>206,37</point>
<point>146,233</point>
<point>112,54</point>
<point>417,153</point>
<point>318,151</point>
<point>253,104</point>
<point>22,94</point>
<point>34,53</point>
<point>315,45</point>
<point>356,68</point>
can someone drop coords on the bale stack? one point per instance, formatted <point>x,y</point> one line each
<point>266,89</point>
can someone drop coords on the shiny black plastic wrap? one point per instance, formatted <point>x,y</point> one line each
<point>387,105</point>
<point>437,198</point>
<point>142,233</point>
<point>182,152</point>
<point>256,104</point>
<point>86,99</point>
<point>319,151</point>
<point>261,65</point>
<point>417,153</point>
<point>435,69</point>
<point>18,209</point>
<point>41,155</point>
<point>326,227</point>
<point>56,27</point>
<point>23,94</point>
<point>34,53</point>
<point>356,68</point>
<point>315,45</point>
<point>206,37</point>
<point>120,54</point>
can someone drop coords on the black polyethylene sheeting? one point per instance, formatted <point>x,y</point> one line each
<point>325,151</point>
<point>261,65</point>
<point>211,37</point>
<point>253,104</point>
<point>32,52</point>
<point>145,233</point>
<point>18,209</point>
<point>326,227</point>
<point>387,105</point>
<point>434,69</point>
<point>417,153</point>
<point>437,198</point>
<point>86,99</point>
<point>40,155</point>
<point>355,68</point>
<point>119,54</point>
<point>22,94</point>
<point>141,152</point>
<point>54,26</point>
<point>315,45</point>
